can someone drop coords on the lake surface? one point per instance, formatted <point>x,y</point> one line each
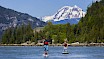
<point>33,52</point>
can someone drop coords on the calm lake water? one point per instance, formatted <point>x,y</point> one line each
<point>33,52</point>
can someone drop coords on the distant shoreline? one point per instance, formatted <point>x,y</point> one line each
<point>80,44</point>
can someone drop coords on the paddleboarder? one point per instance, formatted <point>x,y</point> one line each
<point>46,46</point>
<point>65,46</point>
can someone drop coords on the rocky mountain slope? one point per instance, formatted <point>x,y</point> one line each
<point>11,18</point>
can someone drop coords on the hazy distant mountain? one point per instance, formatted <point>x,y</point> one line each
<point>66,14</point>
<point>11,18</point>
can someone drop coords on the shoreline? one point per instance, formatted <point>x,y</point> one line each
<point>80,44</point>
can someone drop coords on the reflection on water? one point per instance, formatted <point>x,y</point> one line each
<point>32,52</point>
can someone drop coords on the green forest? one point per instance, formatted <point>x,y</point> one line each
<point>18,35</point>
<point>89,29</point>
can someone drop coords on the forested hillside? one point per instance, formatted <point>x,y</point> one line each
<point>92,25</point>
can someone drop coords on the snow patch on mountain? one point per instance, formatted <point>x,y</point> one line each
<point>66,12</point>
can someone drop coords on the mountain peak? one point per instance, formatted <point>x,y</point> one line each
<point>76,6</point>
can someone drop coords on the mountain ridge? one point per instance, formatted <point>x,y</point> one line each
<point>12,18</point>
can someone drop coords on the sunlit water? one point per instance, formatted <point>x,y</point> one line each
<point>33,52</point>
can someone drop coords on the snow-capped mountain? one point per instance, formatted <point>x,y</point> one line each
<point>66,12</point>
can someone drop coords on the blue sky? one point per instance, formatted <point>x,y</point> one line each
<point>40,8</point>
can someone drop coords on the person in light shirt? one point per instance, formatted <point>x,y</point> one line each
<point>65,46</point>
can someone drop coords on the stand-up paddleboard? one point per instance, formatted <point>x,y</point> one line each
<point>65,52</point>
<point>45,54</point>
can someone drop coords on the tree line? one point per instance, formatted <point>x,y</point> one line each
<point>18,35</point>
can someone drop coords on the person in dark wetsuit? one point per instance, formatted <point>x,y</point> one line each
<point>45,46</point>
